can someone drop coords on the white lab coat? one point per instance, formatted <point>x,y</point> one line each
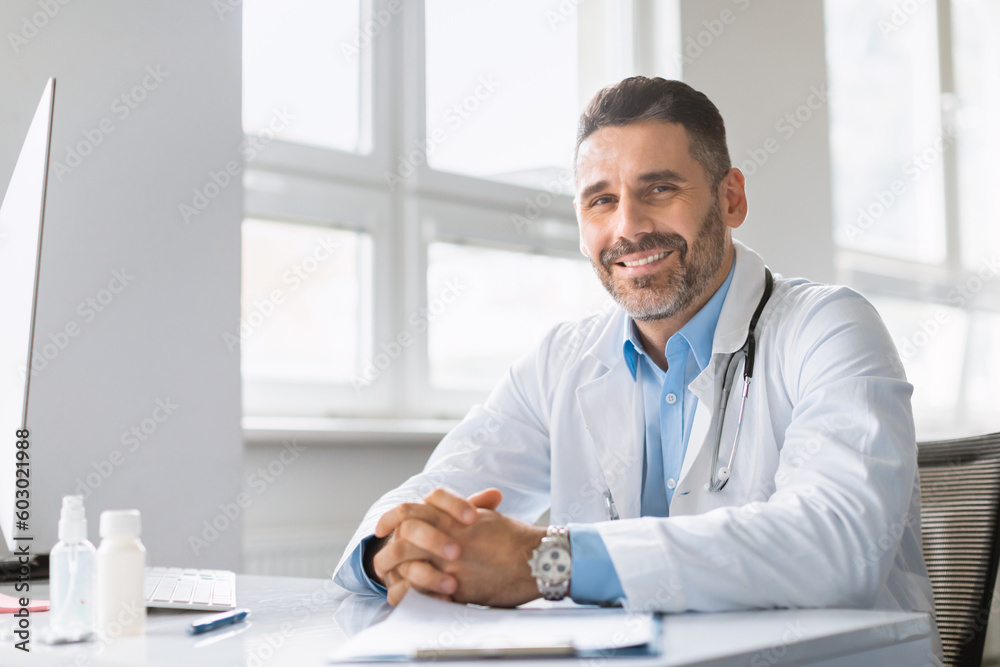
<point>822,509</point>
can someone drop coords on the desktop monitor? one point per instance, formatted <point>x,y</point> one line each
<point>21,216</point>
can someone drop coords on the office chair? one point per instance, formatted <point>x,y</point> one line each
<point>959,516</point>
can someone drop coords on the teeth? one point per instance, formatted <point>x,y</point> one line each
<point>651,258</point>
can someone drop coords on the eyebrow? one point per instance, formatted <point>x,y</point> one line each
<point>648,177</point>
<point>593,189</point>
<point>662,175</point>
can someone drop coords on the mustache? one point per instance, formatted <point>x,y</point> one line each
<point>651,241</point>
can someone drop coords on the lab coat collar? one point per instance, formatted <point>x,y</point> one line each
<point>744,294</point>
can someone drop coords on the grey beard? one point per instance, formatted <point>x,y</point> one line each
<point>696,267</point>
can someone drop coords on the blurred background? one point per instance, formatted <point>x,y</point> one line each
<point>862,128</point>
<point>405,229</point>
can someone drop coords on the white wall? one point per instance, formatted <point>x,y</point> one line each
<point>160,337</point>
<point>761,62</point>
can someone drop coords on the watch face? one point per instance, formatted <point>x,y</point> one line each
<point>553,565</point>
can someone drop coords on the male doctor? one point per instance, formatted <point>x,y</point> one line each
<point>672,484</point>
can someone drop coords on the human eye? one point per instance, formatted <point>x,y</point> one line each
<point>601,200</point>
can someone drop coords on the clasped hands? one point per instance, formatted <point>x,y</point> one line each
<point>456,549</point>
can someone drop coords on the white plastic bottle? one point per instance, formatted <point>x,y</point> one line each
<point>121,571</point>
<point>72,570</point>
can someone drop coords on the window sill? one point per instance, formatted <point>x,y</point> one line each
<point>345,432</point>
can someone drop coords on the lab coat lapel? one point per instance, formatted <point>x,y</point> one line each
<point>612,410</point>
<point>703,414</point>
<point>730,333</point>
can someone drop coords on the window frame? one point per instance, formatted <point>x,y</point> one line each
<point>924,282</point>
<point>326,187</point>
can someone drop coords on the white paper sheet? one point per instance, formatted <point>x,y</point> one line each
<point>426,627</point>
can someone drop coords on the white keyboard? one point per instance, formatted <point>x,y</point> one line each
<point>186,588</point>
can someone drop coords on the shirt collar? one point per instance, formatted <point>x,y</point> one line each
<point>698,331</point>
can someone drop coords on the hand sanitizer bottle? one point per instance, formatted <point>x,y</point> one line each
<point>72,571</point>
<point>121,575</point>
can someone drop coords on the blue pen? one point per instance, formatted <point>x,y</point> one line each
<point>209,623</point>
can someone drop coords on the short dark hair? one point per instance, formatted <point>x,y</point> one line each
<point>641,98</point>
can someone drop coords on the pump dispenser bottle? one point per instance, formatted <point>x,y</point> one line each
<point>72,564</point>
<point>121,572</point>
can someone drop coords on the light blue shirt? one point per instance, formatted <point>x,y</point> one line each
<point>669,407</point>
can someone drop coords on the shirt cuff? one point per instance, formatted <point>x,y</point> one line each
<point>358,566</point>
<point>594,579</point>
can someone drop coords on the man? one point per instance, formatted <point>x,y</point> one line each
<point>669,487</point>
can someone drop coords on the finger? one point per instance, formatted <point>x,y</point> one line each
<point>456,506</point>
<point>397,591</point>
<point>487,500</point>
<point>414,540</point>
<point>426,578</point>
<point>429,538</point>
<point>389,521</point>
<point>396,594</point>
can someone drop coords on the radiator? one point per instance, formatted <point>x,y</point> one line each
<point>294,551</point>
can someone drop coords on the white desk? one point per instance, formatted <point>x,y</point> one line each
<point>296,622</point>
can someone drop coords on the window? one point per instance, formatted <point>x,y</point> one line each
<point>427,160</point>
<point>292,65</point>
<point>478,79</point>
<point>913,166</point>
<point>306,300</point>
<point>471,343</point>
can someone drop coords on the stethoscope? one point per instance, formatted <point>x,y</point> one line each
<point>719,477</point>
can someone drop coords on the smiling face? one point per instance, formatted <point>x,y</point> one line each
<point>654,228</point>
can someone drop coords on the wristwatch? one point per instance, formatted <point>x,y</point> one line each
<point>551,564</point>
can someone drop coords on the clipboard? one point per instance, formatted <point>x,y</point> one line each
<point>422,628</point>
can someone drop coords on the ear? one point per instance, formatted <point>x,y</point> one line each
<point>733,198</point>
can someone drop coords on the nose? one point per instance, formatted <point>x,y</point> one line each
<point>631,219</point>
